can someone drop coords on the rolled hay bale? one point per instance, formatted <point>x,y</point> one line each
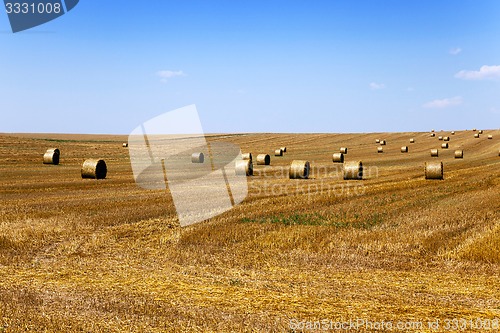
<point>404,149</point>
<point>299,169</point>
<point>433,170</point>
<point>433,134</point>
<point>51,156</point>
<point>377,141</point>
<point>452,132</point>
<point>94,169</point>
<point>480,131</point>
<point>476,135</point>
<point>380,149</point>
<point>125,145</point>
<point>444,145</point>
<point>278,152</point>
<point>434,153</point>
<point>412,140</point>
<point>383,142</point>
<point>197,158</point>
<point>490,137</point>
<point>353,170</point>
<point>440,138</point>
<point>446,138</point>
<point>284,149</point>
<point>459,153</point>
<point>432,130</point>
<point>343,150</point>
<point>474,129</point>
<point>338,158</point>
<point>263,159</point>
<point>243,168</point>
<point>246,156</point>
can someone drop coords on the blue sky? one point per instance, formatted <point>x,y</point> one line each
<point>256,66</point>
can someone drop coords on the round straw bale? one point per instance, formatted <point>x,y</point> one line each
<point>404,149</point>
<point>377,141</point>
<point>459,153</point>
<point>343,150</point>
<point>446,138</point>
<point>197,158</point>
<point>353,170</point>
<point>380,149</point>
<point>476,135</point>
<point>338,158</point>
<point>51,156</point>
<point>452,132</point>
<point>278,152</point>
<point>244,168</point>
<point>284,149</point>
<point>246,156</point>
<point>125,145</point>
<point>490,136</point>
<point>432,130</point>
<point>440,138</point>
<point>263,159</point>
<point>498,152</point>
<point>299,169</point>
<point>480,131</point>
<point>433,134</point>
<point>94,168</point>
<point>433,170</point>
<point>383,143</point>
<point>474,129</point>
<point>444,145</point>
<point>434,153</point>
<point>412,140</point>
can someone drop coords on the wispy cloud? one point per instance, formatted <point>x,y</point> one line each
<point>376,86</point>
<point>455,51</point>
<point>484,73</point>
<point>165,75</point>
<point>443,103</point>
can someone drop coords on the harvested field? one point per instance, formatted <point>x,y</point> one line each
<point>107,256</point>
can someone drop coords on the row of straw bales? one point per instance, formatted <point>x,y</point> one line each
<point>91,168</point>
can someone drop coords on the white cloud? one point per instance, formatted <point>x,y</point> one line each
<point>376,86</point>
<point>455,51</point>
<point>443,103</point>
<point>165,75</point>
<point>485,72</point>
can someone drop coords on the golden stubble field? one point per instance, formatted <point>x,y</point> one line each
<point>107,256</point>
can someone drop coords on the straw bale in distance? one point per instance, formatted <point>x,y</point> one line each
<point>440,138</point>
<point>246,156</point>
<point>490,136</point>
<point>480,131</point>
<point>278,152</point>
<point>433,134</point>
<point>434,153</point>
<point>412,140</point>
<point>94,168</point>
<point>383,142</point>
<point>244,168</point>
<point>459,153</point>
<point>433,170</point>
<point>284,149</point>
<point>343,150</point>
<point>353,170</point>
<point>444,145</point>
<point>299,169</point>
<point>377,141</point>
<point>380,149</point>
<point>446,138</point>
<point>125,145</point>
<point>51,156</point>
<point>338,158</point>
<point>404,149</point>
<point>197,158</point>
<point>452,132</point>
<point>476,135</point>
<point>263,159</point>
